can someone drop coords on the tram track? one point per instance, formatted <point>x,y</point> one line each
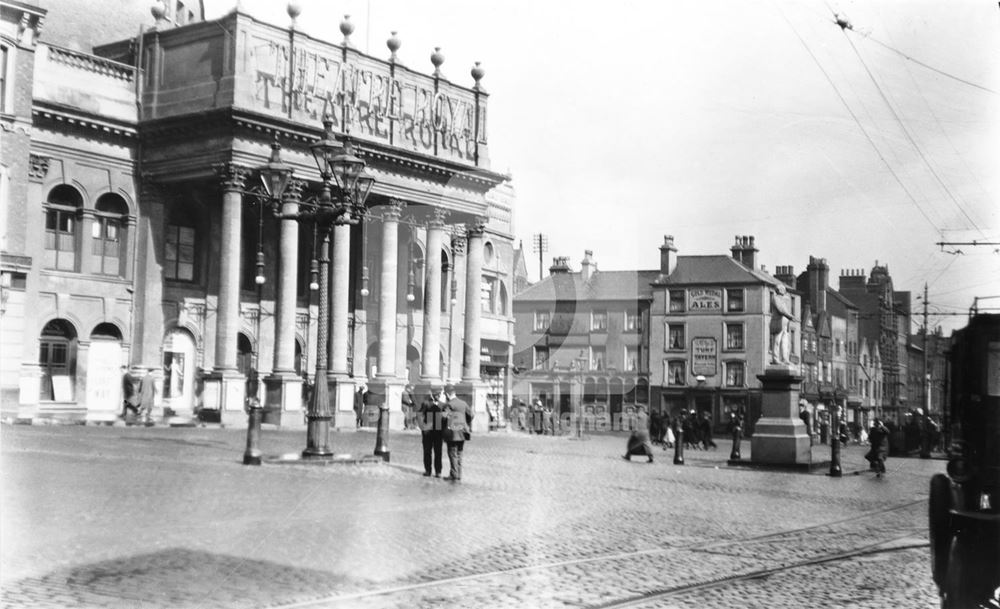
<point>665,593</point>
<point>715,546</point>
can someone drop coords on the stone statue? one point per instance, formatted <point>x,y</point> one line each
<point>781,315</point>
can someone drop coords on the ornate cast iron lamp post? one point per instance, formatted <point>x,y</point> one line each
<point>345,188</point>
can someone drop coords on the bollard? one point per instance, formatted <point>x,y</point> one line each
<point>382,433</point>
<point>255,416</point>
<point>835,470</point>
<point>737,438</point>
<point>679,446</point>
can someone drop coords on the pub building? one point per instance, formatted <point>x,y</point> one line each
<point>710,332</point>
<point>136,234</point>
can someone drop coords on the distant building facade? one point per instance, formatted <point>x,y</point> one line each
<point>884,320</point>
<point>582,345</point>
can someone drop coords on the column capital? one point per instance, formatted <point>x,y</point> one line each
<point>476,227</point>
<point>293,192</point>
<point>437,218</point>
<point>458,244</point>
<point>393,210</point>
<point>232,176</point>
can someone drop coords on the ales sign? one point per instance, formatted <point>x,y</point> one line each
<point>708,300</point>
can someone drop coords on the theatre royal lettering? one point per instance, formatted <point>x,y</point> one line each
<point>365,98</point>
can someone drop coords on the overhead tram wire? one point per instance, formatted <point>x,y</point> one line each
<point>860,125</point>
<point>906,131</point>
<point>929,67</point>
<point>930,109</point>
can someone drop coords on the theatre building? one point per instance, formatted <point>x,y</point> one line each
<point>710,322</point>
<point>136,232</point>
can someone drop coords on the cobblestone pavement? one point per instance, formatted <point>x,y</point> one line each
<point>170,518</point>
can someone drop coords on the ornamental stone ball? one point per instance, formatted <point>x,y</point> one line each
<point>158,11</point>
<point>346,27</point>
<point>477,73</point>
<point>393,43</point>
<point>437,58</point>
<point>294,9</point>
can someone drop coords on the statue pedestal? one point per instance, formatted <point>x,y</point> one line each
<point>779,437</point>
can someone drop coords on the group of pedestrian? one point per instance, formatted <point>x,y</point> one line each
<point>537,418</point>
<point>660,430</point>
<point>696,430</point>
<point>444,418</point>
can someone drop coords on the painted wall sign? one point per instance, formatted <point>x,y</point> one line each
<point>366,98</point>
<point>704,354</point>
<point>705,299</point>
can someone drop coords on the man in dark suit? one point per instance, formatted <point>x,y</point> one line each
<point>459,429</point>
<point>429,422</point>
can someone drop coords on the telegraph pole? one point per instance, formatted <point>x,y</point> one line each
<point>540,245</point>
<point>925,449</point>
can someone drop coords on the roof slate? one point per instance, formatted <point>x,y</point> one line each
<point>602,285</point>
<point>715,269</point>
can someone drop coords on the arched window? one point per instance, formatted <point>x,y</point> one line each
<point>62,213</point>
<point>108,234</point>
<point>106,331</point>
<point>57,359</point>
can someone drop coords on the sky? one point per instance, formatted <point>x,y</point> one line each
<point>622,123</point>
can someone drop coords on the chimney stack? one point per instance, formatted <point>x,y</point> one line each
<point>668,257</point>
<point>786,275</point>
<point>745,252</point>
<point>587,266</point>
<point>560,264</point>
<point>819,280</point>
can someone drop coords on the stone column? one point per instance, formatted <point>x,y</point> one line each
<point>284,387</point>
<point>225,382</point>
<point>473,306</point>
<point>472,384</point>
<point>387,289</point>
<point>455,342</point>
<point>430,357</point>
<point>340,271</point>
<point>339,380</point>
<point>387,389</point>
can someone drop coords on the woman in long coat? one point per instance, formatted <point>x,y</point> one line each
<point>638,440</point>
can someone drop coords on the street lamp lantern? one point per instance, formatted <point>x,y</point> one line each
<point>275,175</point>
<point>347,169</point>
<point>363,184</point>
<point>326,149</point>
